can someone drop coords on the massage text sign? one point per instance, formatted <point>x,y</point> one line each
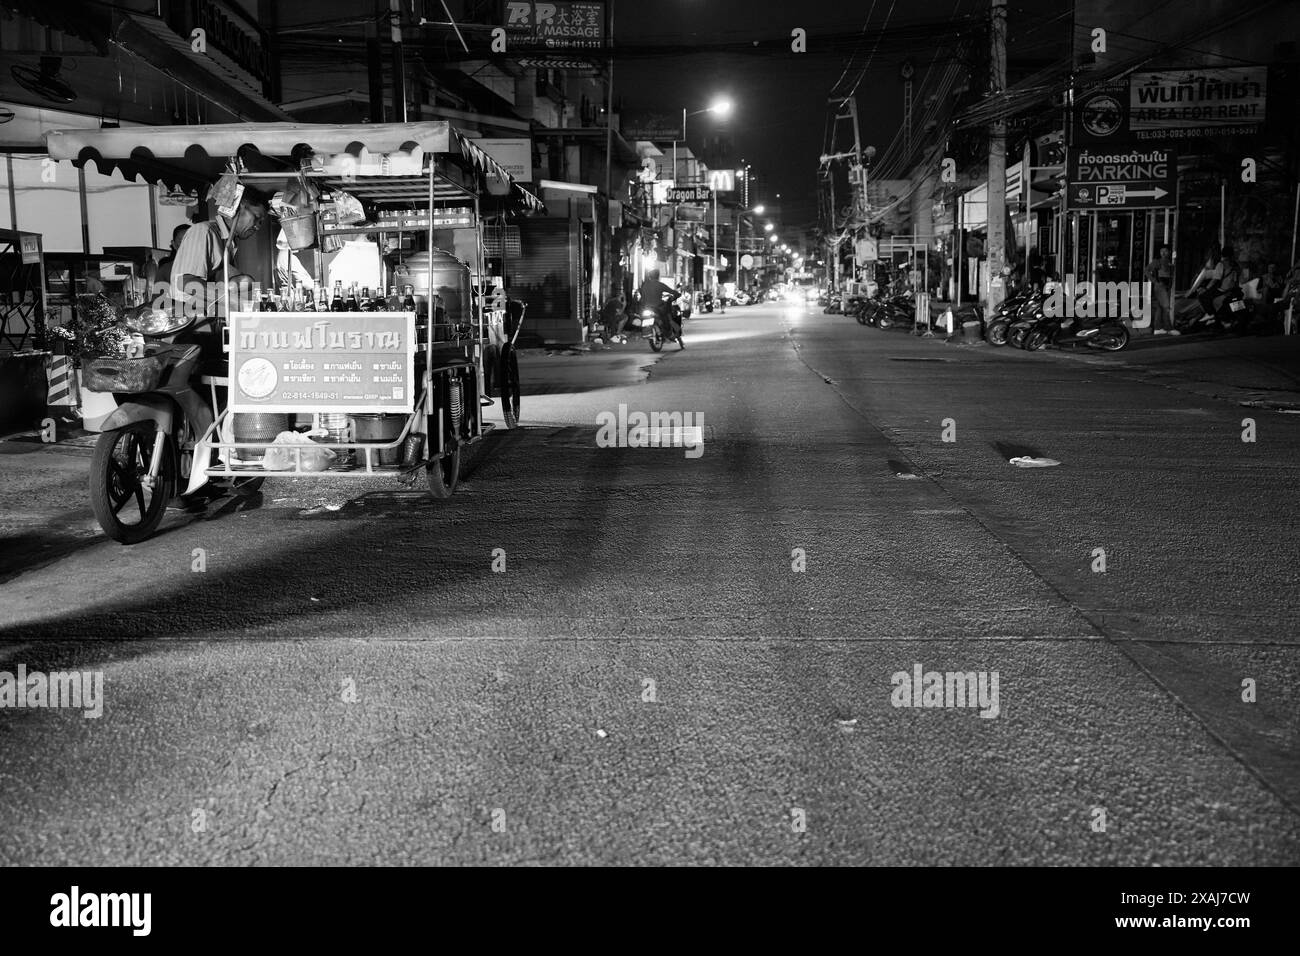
<point>358,362</point>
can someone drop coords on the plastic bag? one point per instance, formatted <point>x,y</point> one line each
<point>280,456</point>
<point>349,208</point>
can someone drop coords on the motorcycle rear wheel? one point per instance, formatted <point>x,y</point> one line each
<point>120,460</point>
<point>1035,341</point>
<point>656,341</point>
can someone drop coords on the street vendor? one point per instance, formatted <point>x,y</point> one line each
<point>197,264</point>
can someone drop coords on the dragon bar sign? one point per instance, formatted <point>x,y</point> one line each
<point>322,361</point>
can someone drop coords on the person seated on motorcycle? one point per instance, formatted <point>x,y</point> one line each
<point>652,293</point>
<point>1219,277</point>
<point>197,268</point>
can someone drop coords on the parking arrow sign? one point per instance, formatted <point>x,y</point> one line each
<point>1118,178</point>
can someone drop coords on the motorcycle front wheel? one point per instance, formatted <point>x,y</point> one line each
<point>126,508</point>
<point>1035,341</point>
<point>1111,341</point>
<point>997,333</point>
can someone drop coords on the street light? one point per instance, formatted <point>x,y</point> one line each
<point>771,238</point>
<point>768,227</point>
<point>758,210</point>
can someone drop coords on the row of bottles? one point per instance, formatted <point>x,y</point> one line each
<point>365,302</point>
<point>296,298</point>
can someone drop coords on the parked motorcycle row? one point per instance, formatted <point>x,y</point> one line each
<point>884,310</point>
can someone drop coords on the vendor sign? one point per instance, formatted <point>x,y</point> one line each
<point>358,362</point>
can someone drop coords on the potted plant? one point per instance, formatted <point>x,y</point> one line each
<point>94,329</point>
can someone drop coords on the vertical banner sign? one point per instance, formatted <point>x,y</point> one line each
<point>360,362</point>
<point>31,250</point>
<point>557,25</point>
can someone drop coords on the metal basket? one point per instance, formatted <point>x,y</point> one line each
<point>122,374</point>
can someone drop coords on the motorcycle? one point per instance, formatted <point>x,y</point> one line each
<point>999,323</point>
<point>856,306</point>
<point>656,329</point>
<point>1108,334</point>
<point>834,304</point>
<point>1234,314</point>
<point>887,312</point>
<point>147,445</point>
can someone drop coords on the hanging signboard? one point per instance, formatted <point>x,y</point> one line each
<point>653,125</point>
<point>31,250</point>
<point>360,362</point>
<point>1138,178</point>
<point>557,25</point>
<point>1172,105</point>
<point>514,155</point>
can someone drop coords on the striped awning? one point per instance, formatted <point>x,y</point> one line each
<point>186,155</point>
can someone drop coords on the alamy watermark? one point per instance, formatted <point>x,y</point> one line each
<point>1099,300</point>
<point>949,689</point>
<point>79,689</point>
<point>651,430</point>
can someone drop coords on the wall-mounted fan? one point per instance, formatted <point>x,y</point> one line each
<point>44,81</point>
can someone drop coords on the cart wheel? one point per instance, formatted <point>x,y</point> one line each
<point>509,382</point>
<point>444,474</point>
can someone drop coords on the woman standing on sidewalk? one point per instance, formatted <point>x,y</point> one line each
<point>1161,273</point>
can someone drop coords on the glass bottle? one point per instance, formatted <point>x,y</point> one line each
<point>394,303</point>
<point>336,304</point>
<point>408,298</point>
<point>353,305</point>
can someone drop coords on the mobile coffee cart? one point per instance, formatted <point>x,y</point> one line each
<point>391,390</point>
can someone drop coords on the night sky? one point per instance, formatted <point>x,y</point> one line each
<point>780,115</point>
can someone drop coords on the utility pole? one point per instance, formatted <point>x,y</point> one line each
<point>399,63</point>
<point>740,218</point>
<point>995,248</point>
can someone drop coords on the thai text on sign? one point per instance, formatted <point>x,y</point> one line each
<point>322,361</point>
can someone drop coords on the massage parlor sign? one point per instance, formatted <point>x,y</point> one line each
<point>322,362</point>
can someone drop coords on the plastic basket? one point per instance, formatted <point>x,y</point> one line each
<point>122,374</point>
<point>299,231</point>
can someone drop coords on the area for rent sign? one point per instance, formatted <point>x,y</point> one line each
<point>1177,104</point>
<point>1173,105</point>
<point>362,362</point>
<point>558,25</point>
<point>1143,177</point>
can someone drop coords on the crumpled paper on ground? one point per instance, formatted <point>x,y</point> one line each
<point>1025,461</point>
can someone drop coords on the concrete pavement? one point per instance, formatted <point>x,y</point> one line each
<point>651,678</point>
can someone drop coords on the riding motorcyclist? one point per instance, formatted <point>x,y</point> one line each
<point>652,293</point>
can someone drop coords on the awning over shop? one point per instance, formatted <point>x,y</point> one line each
<point>189,155</point>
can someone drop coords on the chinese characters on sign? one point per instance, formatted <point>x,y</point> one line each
<point>560,25</point>
<point>311,361</point>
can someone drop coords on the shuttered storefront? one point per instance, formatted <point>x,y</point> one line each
<point>545,275</point>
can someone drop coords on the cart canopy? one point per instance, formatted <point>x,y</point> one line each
<point>189,156</point>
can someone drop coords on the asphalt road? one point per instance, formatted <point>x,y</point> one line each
<point>650,679</point>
